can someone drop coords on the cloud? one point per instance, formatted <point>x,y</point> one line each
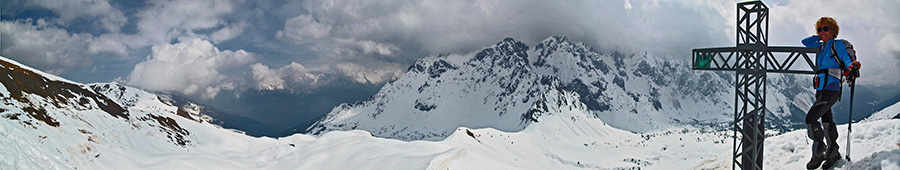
<point>366,75</point>
<point>363,31</point>
<point>47,43</point>
<point>372,41</point>
<point>358,33</point>
<point>191,67</point>
<point>43,46</point>
<point>863,23</point>
<point>229,32</point>
<point>109,43</point>
<point>111,19</point>
<point>294,77</point>
<point>455,26</point>
<point>299,78</point>
<point>304,29</point>
<point>266,79</point>
<point>166,20</point>
<point>161,22</point>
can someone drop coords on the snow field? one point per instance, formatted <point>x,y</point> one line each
<point>875,145</point>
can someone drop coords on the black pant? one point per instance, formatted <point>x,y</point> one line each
<point>827,129</point>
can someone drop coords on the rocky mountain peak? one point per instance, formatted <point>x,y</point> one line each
<point>434,68</point>
<point>501,89</point>
<point>553,41</point>
<point>508,53</point>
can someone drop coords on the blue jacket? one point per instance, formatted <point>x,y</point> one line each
<point>825,61</point>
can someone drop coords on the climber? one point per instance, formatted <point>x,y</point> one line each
<point>835,60</point>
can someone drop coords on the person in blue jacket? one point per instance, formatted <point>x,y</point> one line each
<point>828,87</point>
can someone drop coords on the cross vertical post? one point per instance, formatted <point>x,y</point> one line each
<point>750,98</point>
<point>751,59</point>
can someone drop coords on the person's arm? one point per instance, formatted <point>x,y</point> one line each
<point>841,50</point>
<point>812,42</point>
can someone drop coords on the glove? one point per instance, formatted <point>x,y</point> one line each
<point>855,65</point>
<point>853,74</point>
<point>853,71</point>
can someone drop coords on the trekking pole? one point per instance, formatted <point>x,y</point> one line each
<point>850,122</point>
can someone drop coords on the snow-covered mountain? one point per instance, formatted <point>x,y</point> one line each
<point>130,97</point>
<point>56,121</point>
<point>891,112</point>
<point>52,123</point>
<point>500,86</point>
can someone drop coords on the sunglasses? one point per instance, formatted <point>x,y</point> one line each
<point>820,29</point>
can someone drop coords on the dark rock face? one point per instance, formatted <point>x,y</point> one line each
<point>508,53</point>
<point>19,81</point>
<point>51,101</point>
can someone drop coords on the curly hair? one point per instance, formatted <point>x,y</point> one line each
<point>830,23</point>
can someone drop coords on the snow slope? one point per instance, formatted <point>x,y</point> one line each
<point>875,145</point>
<point>890,112</point>
<point>78,130</point>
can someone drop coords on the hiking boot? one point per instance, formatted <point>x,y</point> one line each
<point>818,156</point>
<point>815,162</point>
<point>832,158</point>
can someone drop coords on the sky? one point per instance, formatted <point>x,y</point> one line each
<point>204,48</point>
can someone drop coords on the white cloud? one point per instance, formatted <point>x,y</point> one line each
<point>163,21</point>
<point>304,29</point>
<point>111,19</point>
<point>366,75</point>
<point>109,43</point>
<point>372,47</point>
<point>307,78</point>
<point>229,32</point>
<point>45,47</point>
<point>191,67</point>
<point>293,76</point>
<point>166,20</point>
<point>863,23</point>
<point>297,77</point>
<point>266,79</point>
<point>47,44</point>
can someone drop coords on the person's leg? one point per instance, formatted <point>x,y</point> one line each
<point>831,134</point>
<point>814,128</point>
<point>824,100</point>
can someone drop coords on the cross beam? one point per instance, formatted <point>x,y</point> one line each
<point>751,59</point>
<point>726,58</point>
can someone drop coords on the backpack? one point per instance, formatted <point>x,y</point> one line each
<point>846,71</point>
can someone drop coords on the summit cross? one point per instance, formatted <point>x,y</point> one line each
<point>751,59</point>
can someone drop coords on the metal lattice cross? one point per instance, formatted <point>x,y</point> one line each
<point>751,59</point>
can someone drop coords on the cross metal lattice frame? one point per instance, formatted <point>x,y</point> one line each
<point>751,59</point>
